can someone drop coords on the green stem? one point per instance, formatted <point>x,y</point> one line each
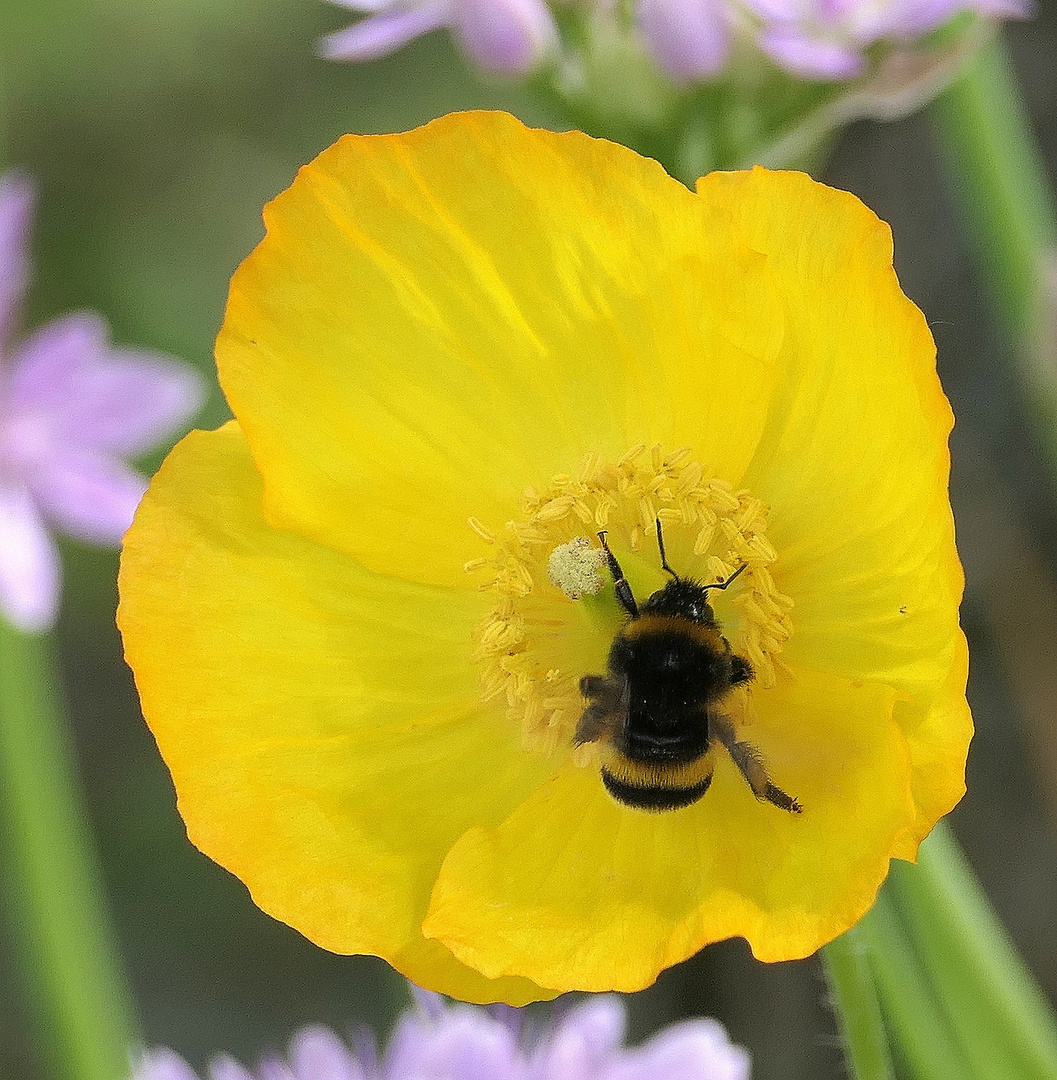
<point>999,175</point>
<point>50,877</point>
<point>999,180</point>
<point>993,1004</point>
<point>858,1012</point>
<point>920,1028</point>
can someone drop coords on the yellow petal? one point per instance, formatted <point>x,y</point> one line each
<point>854,465</point>
<point>576,892</point>
<point>937,737</point>
<point>437,319</point>
<point>321,723</point>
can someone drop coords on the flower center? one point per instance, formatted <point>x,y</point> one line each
<point>556,612</point>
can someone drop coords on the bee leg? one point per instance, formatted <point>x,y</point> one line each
<point>622,588</point>
<point>606,701</point>
<point>750,764</point>
<point>593,686</point>
<point>591,726</point>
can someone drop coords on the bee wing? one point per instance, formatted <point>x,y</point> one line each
<point>608,709</point>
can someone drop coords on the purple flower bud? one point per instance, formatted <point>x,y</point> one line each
<point>509,37</point>
<point>73,408</point>
<point>689,39</point>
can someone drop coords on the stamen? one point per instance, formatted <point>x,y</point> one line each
<point>481,531</point>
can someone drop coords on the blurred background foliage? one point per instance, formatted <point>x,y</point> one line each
<point>156,132</point>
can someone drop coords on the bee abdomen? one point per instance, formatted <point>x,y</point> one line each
<point>656,797</point>
<point>651,747</point>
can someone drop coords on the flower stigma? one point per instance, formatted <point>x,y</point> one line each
<point>555,612</point>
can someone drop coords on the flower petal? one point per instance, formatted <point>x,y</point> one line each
<point>577,892</point>
<point>690,39</point>
<point>316,1053</point>
<point>437,319</point>
<point>464,1045</point>
<point>30,570</point>
<point>809,56</point>
<point>584,1042</point>
<point>91,393</point>
<point>16,219</point>
<point>937,737</point>
<point>225,1067</point>
<point>336,710</point>
<point>506,36</point>
<point>163,1065</point>
<point>858,495</point>
<point>693,1050</point>
<point>384,33</point>
<point>89,496</point>
<point>365,6</point>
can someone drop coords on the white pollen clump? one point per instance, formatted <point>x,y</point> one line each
<point>576,568</point>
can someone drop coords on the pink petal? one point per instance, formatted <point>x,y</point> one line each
<point>163,1065</point>
<point>509,37</point>
<point>689,39</point>
<point>1006,9</point>
<point>470,1045</point>
<point>692,1050</point>
<point>912,18</point>
<point>223,1067</point>
<point>16,217</point>
<point>366,6</point>
<point>783,11</point>
<point>316,1053</point>
<point>904,19</point>
<point>584,1041</point>
<point>87,495</point>
<point>382,34</point>
<point>408,1044</point>
<point>808,57</point>
<point>30,571</point>
<point>69,378</point>
<point>271,1068</point>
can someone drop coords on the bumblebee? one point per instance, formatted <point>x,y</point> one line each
<point>657,713</point>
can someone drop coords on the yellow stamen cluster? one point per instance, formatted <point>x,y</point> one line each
<point>531,643</point>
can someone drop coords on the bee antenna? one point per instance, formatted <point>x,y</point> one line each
<point>724,584</point>
<point>664,558</point>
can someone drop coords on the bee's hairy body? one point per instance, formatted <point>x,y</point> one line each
<point>656,715</point>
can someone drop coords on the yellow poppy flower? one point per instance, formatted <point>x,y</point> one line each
<point>359,615</point>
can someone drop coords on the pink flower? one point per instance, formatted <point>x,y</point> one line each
<point>825,39</point>
<point>464,1042</point>
<point>509,37</point>
<point>73,409</point>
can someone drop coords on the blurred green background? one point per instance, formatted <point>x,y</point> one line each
<point>156,132</point>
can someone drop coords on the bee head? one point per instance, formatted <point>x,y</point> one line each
<point>682,598</point>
